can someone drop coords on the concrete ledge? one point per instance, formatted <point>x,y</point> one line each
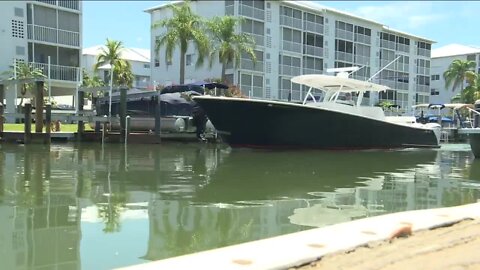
<point>296,249</point>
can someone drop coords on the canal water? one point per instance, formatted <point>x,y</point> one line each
<point>91,207</point>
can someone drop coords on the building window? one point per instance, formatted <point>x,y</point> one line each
<point>435,77</point>
<point>18,12</point>
<point>434,92</point>
<point>188,59</point>
<point>146,65</point>
<point>157,62</point>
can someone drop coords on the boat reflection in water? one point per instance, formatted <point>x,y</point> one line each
<point>173,199</point>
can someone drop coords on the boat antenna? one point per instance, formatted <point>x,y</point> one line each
<point>353,71</point>
<point>378,72</point>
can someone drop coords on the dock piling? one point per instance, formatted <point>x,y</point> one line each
<point>28,123</point>
<point>39,107</point>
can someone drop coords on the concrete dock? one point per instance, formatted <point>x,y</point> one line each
<point>443,238</point>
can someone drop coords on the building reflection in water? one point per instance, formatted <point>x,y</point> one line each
<point>198,197</point>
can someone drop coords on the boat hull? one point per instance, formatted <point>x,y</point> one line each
<point>268,124</point>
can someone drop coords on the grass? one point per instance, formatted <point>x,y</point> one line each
<point>64,127</point>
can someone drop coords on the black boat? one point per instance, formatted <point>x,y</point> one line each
<point>329,123</point>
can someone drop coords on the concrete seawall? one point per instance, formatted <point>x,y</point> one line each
<point>302,248</point>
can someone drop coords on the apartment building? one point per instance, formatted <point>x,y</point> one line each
<point>139,59</point>
<point>36,31</point>
<point>301,37</point>
<point>441,59</point>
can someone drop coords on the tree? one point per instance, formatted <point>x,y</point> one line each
<point>228,45</point>
<point>472,92</point>
<point>181,29</point>
<point>457,72</point>
<point>111,54</point>
<point>26,71</point>
<point>122,74</point>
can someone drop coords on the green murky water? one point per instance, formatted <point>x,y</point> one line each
<point>93,207</point>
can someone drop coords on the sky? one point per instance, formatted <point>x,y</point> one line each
<point>445,22</point>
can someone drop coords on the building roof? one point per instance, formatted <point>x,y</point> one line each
<point>131,54</point>
<point>454,49</point>
<point>313,6</point>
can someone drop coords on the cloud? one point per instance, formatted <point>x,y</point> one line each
<point>401,15</point>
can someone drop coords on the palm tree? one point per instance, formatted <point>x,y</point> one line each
<point>111,54</point>
<point>181,29</point>
<point>472,91</point>
<point>228,45</point>
<point>457,72</point>
<point>26,71</point>
<point>122,74</point>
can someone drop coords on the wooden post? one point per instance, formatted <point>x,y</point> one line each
<point>123,111</point>
<point>157,115</point>
<point>28,123</point>
<point>2,108</point>
<point>39,107</point>
<point>48,122</point>
<point>80,123</point>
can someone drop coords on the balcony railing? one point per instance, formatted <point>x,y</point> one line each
<point>290,70</point>
<point>423,70</point>
<point>423,52</point>
<point>259,39</point>
<point>313,27</point>
<point>339,33</point>
<point>313,50</point>
<point>343,56</point>
<point>292,46</point>
<point>53,35</point>
<point>402,86</point>
<point>363,38</point>
<point>248,64</point>
<point>423,88</point>
<point>312,71</point>
<point>363,60</point>
<point>290,21</point>
<point>252,12</point>
<point>70,4</point>
<point>402,67</point>
<point>57,72</point>
<point>387,44</point>
<point>403,47</point>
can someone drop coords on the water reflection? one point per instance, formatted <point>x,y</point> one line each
<point>184,198</point>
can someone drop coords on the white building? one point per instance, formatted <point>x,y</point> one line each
<point>301,37</point>
<point>139,59</point>
<point>35,31</point>
<point>441,60</point>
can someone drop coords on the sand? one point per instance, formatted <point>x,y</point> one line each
<point>453,247</point>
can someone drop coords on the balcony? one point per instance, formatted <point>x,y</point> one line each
<point>292,46</point>
<point>362,60</point>
<point>258,39</point>
<point>387,44</point>
<point>313,50</point>
<point>343,34</point>
<point>252,12</point>
<point>423,88</point>
<point>363,38</point>
<point>313,27</point>
<point>70,4</point>
<point>248,64</point>
<point>312,71</point>
<point>423,52</point>
<point>403,47</point>
<point>57,72</point>
<point>385,62</point>
<point>290,70</point>
<point>402,67</point>
<point>53,35</point>
<point>343,56</point>
<point>290,22</point>
<point>423,70</point>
